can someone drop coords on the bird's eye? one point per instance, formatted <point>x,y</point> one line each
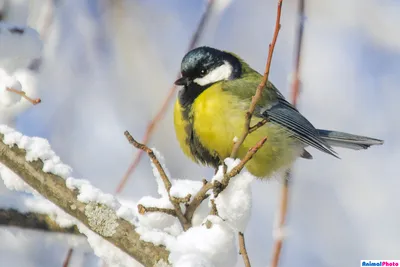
<point>203,72</point>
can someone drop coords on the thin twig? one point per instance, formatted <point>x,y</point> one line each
<point>171,93</point>
<point>284,200</point>
<point>214,210</point>
<point>23,94</point>
<point>261,86</point>
<point>68,257</point>
<point>258,125</point>
<point>236,170</point>
<point>249,129</point>
<point>142,210</point>
<point>197,200</point>
<point>183,200</point>
<point>182,219</point>
<point>242,250</point>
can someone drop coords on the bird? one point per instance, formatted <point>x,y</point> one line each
<point>210,110</point>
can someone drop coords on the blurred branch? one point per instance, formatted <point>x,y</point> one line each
<point>33,221</point>
<point>68,257</point>
<point>283,207</point>
<point>53,188</point>
<point>160,114</point>
<point>260,88</point>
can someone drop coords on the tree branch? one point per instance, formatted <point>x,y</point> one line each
<point>53,188</point>
<point>242,250</point>
<point>260,88</point>
<point>284,200</point>
<point>33,221</point>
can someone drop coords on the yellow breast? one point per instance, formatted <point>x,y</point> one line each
<point>218,117</point>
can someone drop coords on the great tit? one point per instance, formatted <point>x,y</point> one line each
<point>210,113</point>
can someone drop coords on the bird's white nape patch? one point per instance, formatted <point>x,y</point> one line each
<point>220,73</point>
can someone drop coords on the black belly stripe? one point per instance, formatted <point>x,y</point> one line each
<point>197,149</point>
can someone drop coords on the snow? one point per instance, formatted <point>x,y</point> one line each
<point>36,148</point>
<point>8,98</point>
<point>234,203</point>
<point>19,45</point>
<point>215,246</point>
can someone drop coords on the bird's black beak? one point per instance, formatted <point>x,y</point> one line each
<point>182,81</point>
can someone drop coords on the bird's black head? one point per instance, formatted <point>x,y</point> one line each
<point>205,65</point>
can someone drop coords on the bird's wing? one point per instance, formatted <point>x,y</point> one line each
<point>283,113</point>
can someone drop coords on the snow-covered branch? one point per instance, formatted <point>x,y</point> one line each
<point>33,161</point>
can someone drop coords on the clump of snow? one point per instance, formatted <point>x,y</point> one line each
<point>158,221</point>
<point>112,255</point>
<point>101,218</point>
<point>36,148</point>
<point>214,246</point>
<point>128,210</point>
<point>234,203</point>
<point>193,260</point>
<point>89,193</point>
<point>12,181</point>
<point>8,98</point>
<point>19,45</point>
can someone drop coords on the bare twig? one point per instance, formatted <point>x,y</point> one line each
<point>249,129</point>
<point>183,200</point>
<point>258,125</point>
<point>184,222</point>
<point>236,170</point>
<point>197,200</point>
<point>142,210</point>
<point>214,210</point>
<point>261,86</point>
<point>242,250</point>
<point>23,94</point>
<point>171,93</point>
<point>283,207</point>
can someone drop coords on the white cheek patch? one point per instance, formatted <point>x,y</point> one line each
<point>223,72</point>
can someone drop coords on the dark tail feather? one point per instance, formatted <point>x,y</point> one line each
<point>346,140</point>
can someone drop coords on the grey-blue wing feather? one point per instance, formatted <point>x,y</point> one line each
<point>284,114</point>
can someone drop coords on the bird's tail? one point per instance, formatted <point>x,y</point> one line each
<point>346,140</point>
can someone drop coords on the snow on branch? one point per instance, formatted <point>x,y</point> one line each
<point>42,172</point>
